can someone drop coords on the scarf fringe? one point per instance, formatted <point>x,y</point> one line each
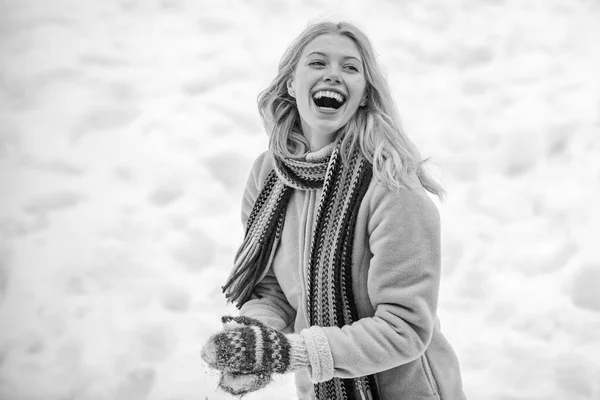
<point>255,255</point>
<point>249,270</point>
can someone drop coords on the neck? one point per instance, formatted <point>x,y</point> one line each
<point>319,140</point>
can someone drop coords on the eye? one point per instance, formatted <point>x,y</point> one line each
<point>317,63</point>
<point>352,67</point>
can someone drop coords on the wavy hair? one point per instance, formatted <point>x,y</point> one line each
<point>376,127</point>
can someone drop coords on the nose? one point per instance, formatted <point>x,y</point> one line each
<point>332,76</point>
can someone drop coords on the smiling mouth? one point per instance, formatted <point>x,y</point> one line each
<point>328,100</point>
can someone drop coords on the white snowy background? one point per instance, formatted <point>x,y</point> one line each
<point>127,129</point>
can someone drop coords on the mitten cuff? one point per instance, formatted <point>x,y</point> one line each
<point>319,354</point>
<point>298,353</point>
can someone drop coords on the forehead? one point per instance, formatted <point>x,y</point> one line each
<point>332,45</point>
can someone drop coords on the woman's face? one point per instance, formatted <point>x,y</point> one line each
<point>329,85</point>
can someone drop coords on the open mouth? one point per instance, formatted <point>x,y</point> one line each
<point>328,100</point>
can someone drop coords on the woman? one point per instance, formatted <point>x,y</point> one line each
<point>338,276</point>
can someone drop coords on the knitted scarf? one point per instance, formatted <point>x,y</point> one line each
<point>329,269</point>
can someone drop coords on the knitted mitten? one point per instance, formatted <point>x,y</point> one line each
<point>247,346</point>
<point>239,384</point>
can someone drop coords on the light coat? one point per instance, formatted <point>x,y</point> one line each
<point>395,275</point>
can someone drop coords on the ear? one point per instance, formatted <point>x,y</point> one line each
<point>290,88</point>
<point>363,101</point>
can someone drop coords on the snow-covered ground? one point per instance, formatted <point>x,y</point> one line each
<point>126,132</point>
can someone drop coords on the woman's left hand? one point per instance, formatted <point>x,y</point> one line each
<point>247,346</point>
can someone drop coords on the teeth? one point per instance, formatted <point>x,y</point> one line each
<point>329,93</point>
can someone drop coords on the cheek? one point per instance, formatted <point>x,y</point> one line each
<point>303,79</point>
<point>357,90</point>
<point>361,89</point>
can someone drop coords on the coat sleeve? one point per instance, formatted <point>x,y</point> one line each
<point>403,284</point>
<point>268,303</point>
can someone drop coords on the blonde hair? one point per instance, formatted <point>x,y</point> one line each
<point>376,127</point>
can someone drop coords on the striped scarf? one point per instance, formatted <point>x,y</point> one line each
<point>329,270</point>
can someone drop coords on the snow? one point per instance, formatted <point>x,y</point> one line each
<point>127,129</point>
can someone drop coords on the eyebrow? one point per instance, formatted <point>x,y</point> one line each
<point>325,55</point>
